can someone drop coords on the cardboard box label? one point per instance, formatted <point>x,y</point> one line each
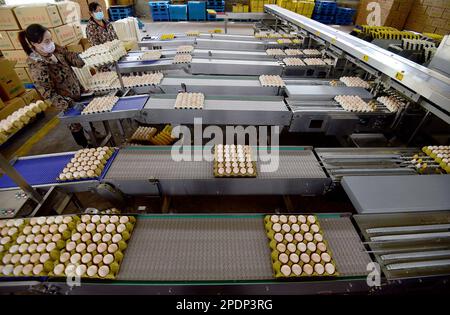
<point>69,11</point>
<point>19,56</point>
<point>8,20</point>
<point>10,84</point>
<point>63,35</point>
<point>5,42</point>
<point>47,15</point>
<point>23,75</point>
<point>14,38</point>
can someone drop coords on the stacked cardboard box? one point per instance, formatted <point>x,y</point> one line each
<point>429,16</point>
<point>61,18</point>
<point>392,12</point>
<point>258,5</point>
<point>12,91</point>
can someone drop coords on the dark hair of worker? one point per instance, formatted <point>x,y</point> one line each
<point>34,33</point>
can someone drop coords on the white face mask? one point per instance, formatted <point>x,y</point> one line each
<point>47,48</point>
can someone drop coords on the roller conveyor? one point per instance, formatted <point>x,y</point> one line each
<point>206,53</point>
<point>136,170</point>
<point>235,67</point>
<point>219,111</point>
<point>211,43</point>
<point>341,162</point>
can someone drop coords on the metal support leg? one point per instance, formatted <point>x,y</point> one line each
<point>418,127</point>
<point>89,128</point>
<point>19,180</point>
<point>77,203</point>
<point>165,204</point>
<point>288,203</point>
<point>109,135</point>
<point>120,127</point>
<point>226,25</point>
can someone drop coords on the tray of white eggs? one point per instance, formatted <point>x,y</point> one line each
<point>87,164</point>
<point>234,161</point>
<point>298,247</point>
<point>95,248</point>
<point>35,246</point>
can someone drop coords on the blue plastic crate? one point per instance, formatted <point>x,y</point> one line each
<point>161,16</point>
<point>159,6</point>
<point>197,10</point>
<point>178,12</point>
<point>121,9</point>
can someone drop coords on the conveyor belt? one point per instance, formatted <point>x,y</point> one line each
<point>38,170</point>
<point>43,170</point>
<point>220,111</point>
<point>157,162</point>
<point>223,248</point>
<point>135,168</point>
<point>126,107</point>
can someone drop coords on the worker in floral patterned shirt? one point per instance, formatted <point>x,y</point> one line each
<point>51,70</point>
<point>98,30</point>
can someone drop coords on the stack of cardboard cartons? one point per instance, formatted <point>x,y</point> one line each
<point>84,7</point>
<point>305,8</point>
<point>61,18</point>
<point>391,12</point>
<point>258,5</point>
<point>429,16</point>
<point>12,91</point>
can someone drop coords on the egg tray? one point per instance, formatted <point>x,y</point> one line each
<point>43,273</point>
<point>4,233</point>
<point>105,169</point>
<point>233,175</point>
<point>276,264</point>
<point>439,161</point>
<point>110,276</point>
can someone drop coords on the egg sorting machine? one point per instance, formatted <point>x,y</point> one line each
<point>151,170</point>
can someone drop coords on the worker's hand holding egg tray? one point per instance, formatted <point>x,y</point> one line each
<point>440,154</point>
<point>95,248</point>
<point>234,161</point>
<point>189,101</point>
<point>298,247</point>
<point>54,246</point>
<point>87,164</point>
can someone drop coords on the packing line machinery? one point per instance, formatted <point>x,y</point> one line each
<point>225,254</point>
<point>185,170</point>
<point>427,87</point>
<point>302,105</point>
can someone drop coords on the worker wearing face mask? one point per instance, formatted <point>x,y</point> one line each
<point>98,30</point>
<point>51,70</point>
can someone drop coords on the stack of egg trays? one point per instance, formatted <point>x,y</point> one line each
<point>276,264</point>
<point>232,175</point>
<point>118,260</point>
